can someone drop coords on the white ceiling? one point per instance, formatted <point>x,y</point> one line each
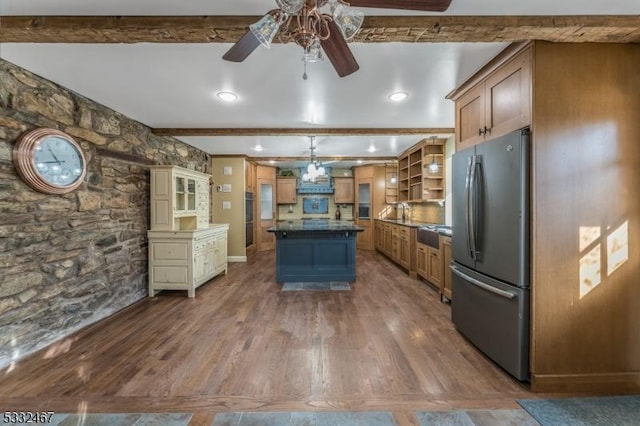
<point>174,85</point>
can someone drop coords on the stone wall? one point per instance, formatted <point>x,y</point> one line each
<point>70,260</point>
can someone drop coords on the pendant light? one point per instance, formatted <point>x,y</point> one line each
<point>434,166</point>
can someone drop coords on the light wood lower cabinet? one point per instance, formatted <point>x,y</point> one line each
<point>422,257</point>
<point>379,235</point>
<point>395,242</point>
<point>403,254</point>
<point>429,264</point>
<point>184,260</point>
<point>434,267</point>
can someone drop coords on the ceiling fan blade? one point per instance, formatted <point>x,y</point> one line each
<point>423,5</point>
<point>242,48</point>
<point>338,52</point>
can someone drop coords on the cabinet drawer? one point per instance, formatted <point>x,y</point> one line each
<point>404,232</point>
<point>170,274</point>
<point>169,251</point>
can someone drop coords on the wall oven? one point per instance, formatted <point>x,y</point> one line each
<point>248,217</point>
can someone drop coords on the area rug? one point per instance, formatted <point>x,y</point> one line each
<point>369,418</point>
<point>317,286</point>
<point>375,418</point>
<point>593,411</point>
<point>119,419</point>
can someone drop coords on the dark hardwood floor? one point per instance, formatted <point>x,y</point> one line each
<point>243,345</point>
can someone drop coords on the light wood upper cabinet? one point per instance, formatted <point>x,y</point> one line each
<point>470,118</point>
<point>343,190</point>
<point>286,190</point>
<point>496,105</point>
<point>250,176</point>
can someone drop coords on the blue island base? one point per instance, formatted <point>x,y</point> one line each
<point>315,256</point>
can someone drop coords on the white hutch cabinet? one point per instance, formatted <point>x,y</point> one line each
<point>185,250</point>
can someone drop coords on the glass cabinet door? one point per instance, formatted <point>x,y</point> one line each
<point>179,195</point>
<point>191,194</point>
<point>364,201</point>
<point>266,201</point>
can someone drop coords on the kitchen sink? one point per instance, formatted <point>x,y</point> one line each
<point>429,236</point>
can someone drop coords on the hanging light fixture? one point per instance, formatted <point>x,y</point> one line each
<point>302,22</point>
<point>314,168</point>
<point>434,166</point>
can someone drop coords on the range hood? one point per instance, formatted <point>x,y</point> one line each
<point>322,185</point>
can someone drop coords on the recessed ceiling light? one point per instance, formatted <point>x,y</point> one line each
<point>398,96</point>
<point>258,148</point>
<point>372,149</point>
<point>359,161</point>
<point>227,96</point>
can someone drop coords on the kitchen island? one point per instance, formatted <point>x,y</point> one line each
<point>315,250</point>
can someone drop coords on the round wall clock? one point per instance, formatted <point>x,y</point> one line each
<point>49,161</point>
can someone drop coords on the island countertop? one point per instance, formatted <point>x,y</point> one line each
<point>315,225</point>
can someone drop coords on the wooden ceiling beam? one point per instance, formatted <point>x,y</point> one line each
<point>300,131</point>
<point>376,29</point>
<point>365,158</point>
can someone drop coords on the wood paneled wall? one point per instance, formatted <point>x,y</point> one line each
<point>586,175</point>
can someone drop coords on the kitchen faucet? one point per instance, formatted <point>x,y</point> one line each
<point>404,206</point>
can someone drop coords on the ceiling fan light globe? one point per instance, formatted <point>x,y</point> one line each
<point>313,53</point>
<point>348,20</point>
<point>290,6</point>
<point>265,29</point>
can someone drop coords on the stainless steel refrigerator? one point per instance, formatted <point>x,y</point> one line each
<point>490,249</point>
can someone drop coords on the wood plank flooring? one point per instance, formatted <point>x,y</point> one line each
<point>243,345</point>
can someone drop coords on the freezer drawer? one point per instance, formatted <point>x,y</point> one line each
<point>494,316</point>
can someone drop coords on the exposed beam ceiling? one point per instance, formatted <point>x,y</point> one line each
<point>376,29</point>
<point>298,131</point>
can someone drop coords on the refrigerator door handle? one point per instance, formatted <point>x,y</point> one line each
<point>482,285</point>
<point>471,208</point>
<point>468,210</point>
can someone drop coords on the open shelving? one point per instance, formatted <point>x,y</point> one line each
<point>416,182</point>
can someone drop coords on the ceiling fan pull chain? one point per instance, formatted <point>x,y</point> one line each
<point>304,76</point>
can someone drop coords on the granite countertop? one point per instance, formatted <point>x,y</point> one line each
<point>442,229</point>
<point>445,230</point>
<point>409,223</point>
<point>316,225</point>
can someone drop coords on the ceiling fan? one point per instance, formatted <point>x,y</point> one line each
<point>305,23</point>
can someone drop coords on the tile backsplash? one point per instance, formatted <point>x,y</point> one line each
<point>426,212</point>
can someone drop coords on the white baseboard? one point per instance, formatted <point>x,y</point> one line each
<point>233,259</point>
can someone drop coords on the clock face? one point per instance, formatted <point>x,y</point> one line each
<point>49,161</point>
<point>58,161</point>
